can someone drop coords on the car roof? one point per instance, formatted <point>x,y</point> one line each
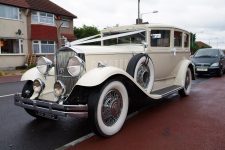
<point>139,27</point>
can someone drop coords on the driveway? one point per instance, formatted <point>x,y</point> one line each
<point>196,122</point>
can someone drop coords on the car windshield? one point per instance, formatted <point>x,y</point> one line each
<point>207,53</point>
<point>138,38</point>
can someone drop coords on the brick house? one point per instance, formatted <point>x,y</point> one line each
<point>32,27</point>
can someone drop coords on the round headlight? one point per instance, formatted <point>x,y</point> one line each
<point>44,65</point>
<point>59,89</point>
<point>38,86</point>
<point>75,66</point>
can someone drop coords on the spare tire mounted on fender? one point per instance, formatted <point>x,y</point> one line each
<point>141,69</point>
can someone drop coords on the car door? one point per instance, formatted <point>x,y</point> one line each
<point>167,49</point>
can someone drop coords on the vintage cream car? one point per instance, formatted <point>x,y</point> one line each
<point>99,81</point>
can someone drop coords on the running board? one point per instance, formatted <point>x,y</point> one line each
<point>167,91</point>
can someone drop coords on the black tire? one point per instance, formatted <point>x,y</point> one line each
<point>107,114</point>
<point>185,91</point>
<point>144,77</point>
<point>220,73</point>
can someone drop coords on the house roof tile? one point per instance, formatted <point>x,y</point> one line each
<point>40,5</point>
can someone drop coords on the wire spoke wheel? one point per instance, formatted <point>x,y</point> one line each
<point>112,106</point>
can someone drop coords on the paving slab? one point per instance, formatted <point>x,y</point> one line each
<point>196,122</point>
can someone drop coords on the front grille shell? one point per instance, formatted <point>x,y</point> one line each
<point>62,58</point>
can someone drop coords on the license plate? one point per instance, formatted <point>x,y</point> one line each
<point>202,69</point>
<point>46,115</point>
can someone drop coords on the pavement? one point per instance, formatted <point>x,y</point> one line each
<point>8,79</point>
<point>195,122</point>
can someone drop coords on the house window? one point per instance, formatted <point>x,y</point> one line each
<point>177,39</point>
<point>65,23</point>
<point>34,17</point>
<point>160,38</point>
<point>42,17</point>
<point>9,12</point>
<point>46,47</point>
<point>11,46</point>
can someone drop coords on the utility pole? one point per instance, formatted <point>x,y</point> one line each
<point>139,20</point>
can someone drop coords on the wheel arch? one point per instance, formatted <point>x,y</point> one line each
<point>31,75</point>
<point>99,76</point>
<point>184,65</point>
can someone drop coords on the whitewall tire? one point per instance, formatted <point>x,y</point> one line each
<point>108,108</point>
<point>187,84</point>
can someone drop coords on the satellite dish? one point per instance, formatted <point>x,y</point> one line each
<point>19,32</point>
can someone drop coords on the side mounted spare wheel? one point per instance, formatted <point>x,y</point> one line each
<point>107,108</point>
<point>141,68</point>
<point>185,91</point>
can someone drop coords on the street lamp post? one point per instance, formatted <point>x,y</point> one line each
<point>139,20</point>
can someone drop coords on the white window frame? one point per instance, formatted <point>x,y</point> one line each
<point>20,48</point>
<point>65,20</point>
<point>39,46</point>
<point>18,13</point>
<point>38,14</point>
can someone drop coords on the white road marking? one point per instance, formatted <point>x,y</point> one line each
<point>88,136</point>
<point>7,95</point>
<point>76,141</point>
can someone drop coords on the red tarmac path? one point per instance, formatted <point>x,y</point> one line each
<point>196,122</point>
<point>7,79</point>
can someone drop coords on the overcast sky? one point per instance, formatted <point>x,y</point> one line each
<point>206,18</point>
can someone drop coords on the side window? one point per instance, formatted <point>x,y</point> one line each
<point>177,39</point>
<point>160,38</point>
<point>221,53</point>
<point>186,40</point>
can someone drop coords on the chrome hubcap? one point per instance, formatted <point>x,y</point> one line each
<point>143,75</point>
<point>112,106</point>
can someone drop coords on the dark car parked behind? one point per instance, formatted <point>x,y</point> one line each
<point>209,61</point>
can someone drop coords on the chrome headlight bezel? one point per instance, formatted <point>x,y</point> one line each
<point>75,66</point>
<point>38,86</point>
<point>59,88</point>
<point>44,65</point>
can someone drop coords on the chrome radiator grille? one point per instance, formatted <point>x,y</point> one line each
<point>61,69</point>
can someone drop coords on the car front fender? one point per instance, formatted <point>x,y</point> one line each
<point>33,74</point>
<point>97,76</point>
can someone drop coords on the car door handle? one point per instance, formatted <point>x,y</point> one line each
<point>174,50</point>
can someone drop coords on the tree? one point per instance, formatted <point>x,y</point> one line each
<point>194,46</point>
<point>85,31</point>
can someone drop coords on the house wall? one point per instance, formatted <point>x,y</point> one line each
<point>8,29</point>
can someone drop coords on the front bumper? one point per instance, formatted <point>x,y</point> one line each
<point>52,108</point>
<point>211,71</point>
